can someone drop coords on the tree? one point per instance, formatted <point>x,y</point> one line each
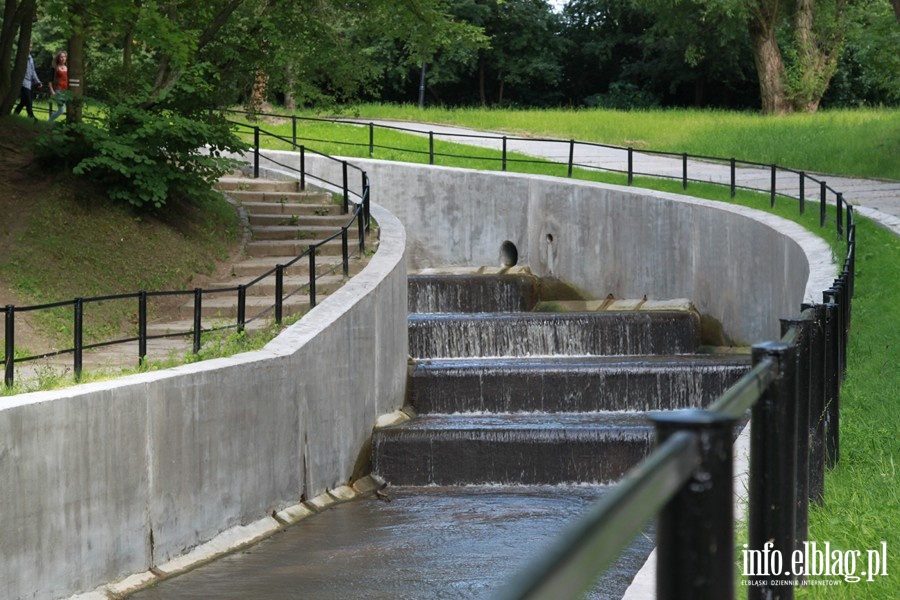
<point>15,31</point>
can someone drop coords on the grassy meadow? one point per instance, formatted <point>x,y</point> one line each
<point>862,504</point>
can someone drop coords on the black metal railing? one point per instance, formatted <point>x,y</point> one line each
<point>731,172</point>
<point>792,394</point>
<point>358,197</point>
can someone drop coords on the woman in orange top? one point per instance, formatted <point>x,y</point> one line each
<point>59,82</point>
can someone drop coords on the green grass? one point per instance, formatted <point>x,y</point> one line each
<point>859,142</point>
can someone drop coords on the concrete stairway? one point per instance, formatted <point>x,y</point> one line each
<point>282,222</point>
<point>543,398</point>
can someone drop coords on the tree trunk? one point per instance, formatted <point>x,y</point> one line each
<point>897,9</point>
<point>482,93</point>
<point>768,60</point>
<point>17,20</point>
<point>74,106</point>
<point>816,56</point>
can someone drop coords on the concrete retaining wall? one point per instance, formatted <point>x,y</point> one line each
<point>744,267</point>
<point>103,480</point>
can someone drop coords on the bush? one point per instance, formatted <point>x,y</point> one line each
<point>148,154</point>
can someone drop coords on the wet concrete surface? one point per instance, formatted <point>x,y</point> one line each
<point>426,543</point>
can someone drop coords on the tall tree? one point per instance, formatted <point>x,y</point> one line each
<point>15,32</point>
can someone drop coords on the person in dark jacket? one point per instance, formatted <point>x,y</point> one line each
<point>26,100</point>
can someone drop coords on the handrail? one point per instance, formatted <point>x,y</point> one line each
<point>731,164</point>
<point>360,215</point>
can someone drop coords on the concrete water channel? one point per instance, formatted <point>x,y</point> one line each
<point>517,420</point>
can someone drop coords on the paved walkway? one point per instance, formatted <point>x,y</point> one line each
<point>876,199</point>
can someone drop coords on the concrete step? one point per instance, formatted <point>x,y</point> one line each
<point>328,264</point>
<point>255,209</point>
<point>572,384</point>
<point>239,183</point>
<point>548,334</point>
<point>532,448</point>
<point>225,307</point>
<point>325,284</point>
<point>271,248</point>
<point>299,232</point>
<point>282,197</point>
<point>335,221</point>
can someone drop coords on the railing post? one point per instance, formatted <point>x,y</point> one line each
<point>733,178</point>
<point>362,234</point>
<point>365,199</point>
<point>10,346</point>
<point>802,192</point>
<point>832,383</point>
<point>198,319</point>
<point>630,165</point>
<point>802,395</point>
<point>571,157</point>
<point>840,215</point>
<point>256,152</point>
<point>142,327</point>
<point>823,197</point>
<point>504,154</point>
<point>772,476</point>
<point>345,252</point>
<point>345,190</point>
<point>312,277</point>
<point>294,132</point>
<point>430,147</point>
<point>279,292</point>
<point>684,173</point>
<point>241,308</point>
<point>774,190</point>
<point>817,405</point>
<point>78,345</point>
<point>302,168</point>
<point>371,139</point>
<point>695,531</point>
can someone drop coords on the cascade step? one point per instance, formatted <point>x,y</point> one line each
<point>543,334</point>
<point>473,293</point>
<point>511,449</point>
<point>571,384</point>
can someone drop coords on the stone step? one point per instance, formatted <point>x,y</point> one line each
<point>325,284</point>
<point>239,183</point>
<point>225,307</point>
<point>533,448</point>
<point>255,209</point>
<point>282,197</point>
<point>271,248</point>
<point>298,232</point>
<point>546,334</point>
<point>572,384</point>
<point>335,221</point>
<point>328,264</point>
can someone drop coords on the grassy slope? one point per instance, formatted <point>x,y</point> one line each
<point>65,239</point>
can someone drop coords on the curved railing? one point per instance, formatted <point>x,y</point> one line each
<point>359,216</point>
<point>574,155</point>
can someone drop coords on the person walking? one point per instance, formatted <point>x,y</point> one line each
<point>59,83</point>
<point>31,80</point>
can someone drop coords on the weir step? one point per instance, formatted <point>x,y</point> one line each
<point>536,448</point>
<point>543,334</point>
<point>475,293</point>
<point>571,383</point>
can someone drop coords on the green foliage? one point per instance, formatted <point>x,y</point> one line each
<point>150,154</point>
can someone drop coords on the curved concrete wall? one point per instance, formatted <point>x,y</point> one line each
<point>744,267</point>
<point>103,480</point>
